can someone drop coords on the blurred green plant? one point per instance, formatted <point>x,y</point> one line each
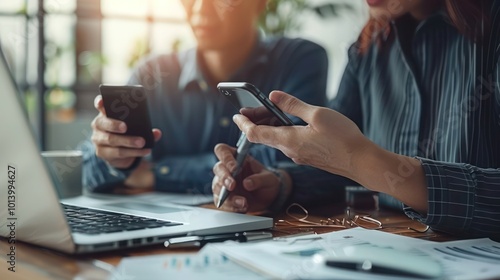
<point>56,97</point>
<point>140,50</point>
<point>283,16</point>
<point>91,64</point>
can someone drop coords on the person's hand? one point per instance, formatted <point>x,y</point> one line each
<point>254,189</point>
<point>330,141</point>
<point>334,143</point>
<point>111,145</point>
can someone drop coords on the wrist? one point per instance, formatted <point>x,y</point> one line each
<point>363,156</point>
<point>399,176</point>
<point>142,177</point>
<point>369,165</point>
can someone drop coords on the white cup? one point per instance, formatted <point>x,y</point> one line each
<point>66,170</point>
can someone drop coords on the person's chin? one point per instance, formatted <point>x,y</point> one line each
<point>375,3</point>
<point>209,45</point>
<point>382,14</point>
<point>208,41</point>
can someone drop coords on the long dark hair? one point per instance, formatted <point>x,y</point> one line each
<point>468,16</point>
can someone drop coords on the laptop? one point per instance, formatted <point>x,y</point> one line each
<point>30,210</point>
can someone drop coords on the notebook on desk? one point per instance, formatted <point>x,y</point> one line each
<point>30,210</point>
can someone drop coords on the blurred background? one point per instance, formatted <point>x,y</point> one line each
<point>60,51</point>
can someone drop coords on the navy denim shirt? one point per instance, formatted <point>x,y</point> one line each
<point>194,116</point>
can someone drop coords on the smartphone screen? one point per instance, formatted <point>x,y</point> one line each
<point>129,104</point>
<point>252,103</point>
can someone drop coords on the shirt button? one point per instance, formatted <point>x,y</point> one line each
<point>203,85</point>
<point>164,170</point>
<point>224,122</point>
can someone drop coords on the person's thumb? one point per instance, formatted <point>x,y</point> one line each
<point>292,105</point>
<point>157,134</point>
<point>99,104</point>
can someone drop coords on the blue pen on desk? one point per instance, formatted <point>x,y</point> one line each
<point>241,153</point>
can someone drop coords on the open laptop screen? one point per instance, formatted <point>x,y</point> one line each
<point>29,206</point>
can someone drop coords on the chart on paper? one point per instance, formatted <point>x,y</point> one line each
<point>206,264</point>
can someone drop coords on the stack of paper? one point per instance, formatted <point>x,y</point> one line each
<point>293,258</point>
<point>206,264</point>
<point>296,258</point>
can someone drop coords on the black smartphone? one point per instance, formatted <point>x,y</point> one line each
<point>130,105</point>
<point>252,103</point>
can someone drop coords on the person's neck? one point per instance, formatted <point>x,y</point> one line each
<point>221,64</point>
<point>425,9</point>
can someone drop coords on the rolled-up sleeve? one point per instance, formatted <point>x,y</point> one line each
<point>462,199</point>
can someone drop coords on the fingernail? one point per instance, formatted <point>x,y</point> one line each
<point>139,143</point>
<point>236,117</point>
<point>239,202</point>
<point>248,184</point>
<point>276,98</point>
<point>228,182</point>
<point>122,127</point>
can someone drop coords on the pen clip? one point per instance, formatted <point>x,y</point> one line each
<point>242,138</point>
<point>243,146</point>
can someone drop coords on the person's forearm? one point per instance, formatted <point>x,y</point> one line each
<point>142,177</point>
<point>399,176</point>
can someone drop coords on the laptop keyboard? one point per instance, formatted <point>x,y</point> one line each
<point>92,221</point>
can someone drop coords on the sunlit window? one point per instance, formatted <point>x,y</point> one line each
<point>59,6</point>
<point>86,43</point>
<point>90,42</point>
<point>132,29</point>
<point>125,7</point>
<point>12,6</point>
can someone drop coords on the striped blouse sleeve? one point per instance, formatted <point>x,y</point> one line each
<point>463,198</point>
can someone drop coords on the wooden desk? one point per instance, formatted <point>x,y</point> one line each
<point>37,263</point>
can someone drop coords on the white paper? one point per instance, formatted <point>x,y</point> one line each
<point>292,257</point>
<point>467,259</point>
<point>206,264</point>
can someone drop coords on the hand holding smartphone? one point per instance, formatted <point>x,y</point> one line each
<point>252,103</point>
<point>129,104</point>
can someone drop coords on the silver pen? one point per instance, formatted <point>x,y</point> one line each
<point>243,146</point>
<point>200,241</point>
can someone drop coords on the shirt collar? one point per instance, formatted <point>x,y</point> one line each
<point>191,73</point>
<point>439,15</point>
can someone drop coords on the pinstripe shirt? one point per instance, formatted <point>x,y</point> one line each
<point>420,93</point>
